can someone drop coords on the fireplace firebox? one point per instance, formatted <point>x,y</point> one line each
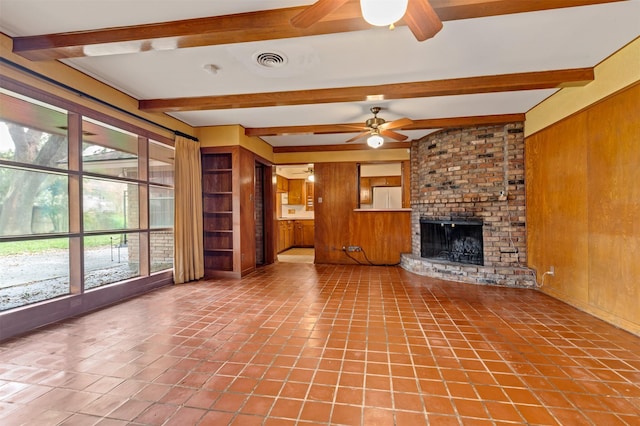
<point>457,241</point>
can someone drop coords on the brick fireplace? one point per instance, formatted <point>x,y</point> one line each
<point>472,175</point>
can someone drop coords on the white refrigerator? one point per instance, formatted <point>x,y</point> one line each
<point>387,197</point>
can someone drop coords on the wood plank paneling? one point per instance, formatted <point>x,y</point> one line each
<point>336,186</point>
<point>557,207</point>
<point>382,235</point>
<point>247,209</point>
<point>583,205</point>
<point>614,204</point>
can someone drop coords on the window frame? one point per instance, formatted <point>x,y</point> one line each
<point>39,313</point>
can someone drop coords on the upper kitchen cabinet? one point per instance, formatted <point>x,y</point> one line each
<point>309,196</point>
<point>282,184</point>
<point>297,191</point>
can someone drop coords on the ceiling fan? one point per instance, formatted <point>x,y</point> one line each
<point>377,129</point>
<point>419,16</point>
<point>309,172</point>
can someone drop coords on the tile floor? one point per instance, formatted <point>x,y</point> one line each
<point>321,344</point>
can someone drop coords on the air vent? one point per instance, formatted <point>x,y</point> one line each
<point>270,59</point>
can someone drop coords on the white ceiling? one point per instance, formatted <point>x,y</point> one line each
<point>537,41</point>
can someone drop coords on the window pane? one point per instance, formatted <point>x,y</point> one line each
<point>107,259</point>
<point>109,151</point>
<point>109,205</point>
<point>33,202</point>
<point>33,271</point>
<point>160,207</point>
<point>161,250</point>
<point>32,132</point>
<point>161,160</point>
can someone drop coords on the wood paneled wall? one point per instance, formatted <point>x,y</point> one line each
<point>247,210</point>
<point>583,208</point>
<point>382,235</point>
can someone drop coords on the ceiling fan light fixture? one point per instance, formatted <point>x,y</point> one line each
<point>383,13</point>
<point>375,141</point>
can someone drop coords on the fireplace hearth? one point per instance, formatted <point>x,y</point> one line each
<point>456,241</point>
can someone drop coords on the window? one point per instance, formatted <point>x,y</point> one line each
<point>161,174</point>
<point>57,199</point>
<point>109,205</point>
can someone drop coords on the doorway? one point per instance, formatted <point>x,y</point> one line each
<point>259,213</point>
<point>297,255</point>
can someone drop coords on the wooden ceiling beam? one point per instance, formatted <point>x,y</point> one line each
<point>429,123</point>
<point>246,27</point>
<point>421,89</point>
<point>451,10</point>
<point>341,147</point>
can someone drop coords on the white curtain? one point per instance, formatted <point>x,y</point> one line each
<point>188,263</point>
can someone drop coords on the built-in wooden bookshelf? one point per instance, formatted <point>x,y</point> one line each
<point>218,211</point>
<point>229,211</point>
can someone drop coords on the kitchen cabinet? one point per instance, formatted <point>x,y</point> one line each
<point>286,235</point>
<point>282,184</point>
<point>385,181</point>
<point>289,240</point>
<point>296,191</point>
<point>295,233</point>
<point>308,196</point>
<point>365,190</point>
<point>304,233</point>
<point>308,233</point>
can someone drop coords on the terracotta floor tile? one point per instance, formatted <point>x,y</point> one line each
<point>102,406</point>
<point>438,404</point>
<point>243,385</point>
<point>321,392</point>
<point>377,416</point>
<point>346,415</point>
<point>229,402</point>
<point>503,411</point>
<point>316,411</point>
<point>470,408</point>
<point>216,418</point>
<point>325,344</point>
<point>129,410</point>
<point>112,422</point>
<point>258,405</point>
<point>521,396</point>
<point>378,398</point>
<point>286,408</point>
<point>79,419</point>
<point>186,416</point>
<point>462,390</point>
<point>537,415</point>
<point>408,401</point>
<point>202,399</point>
<point>352,396</point>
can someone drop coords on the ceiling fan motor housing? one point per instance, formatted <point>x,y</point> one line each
<point>374,122</point>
